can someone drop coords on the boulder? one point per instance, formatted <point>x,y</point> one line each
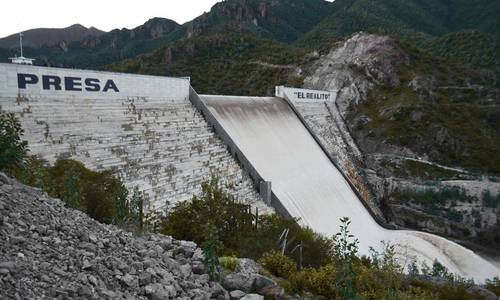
<point>262,281</point>
<point>248,266</point>
<point>239,281</point>
<point>236,295</point>
<point>274,292</point>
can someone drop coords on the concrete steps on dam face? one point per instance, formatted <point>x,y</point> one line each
<point>158,142</point>
<point>282,150</point>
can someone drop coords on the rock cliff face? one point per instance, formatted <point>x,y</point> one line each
<point>277,19</point>
<point>412,118</point>
<point>355,67</point>
<point>50,251</point>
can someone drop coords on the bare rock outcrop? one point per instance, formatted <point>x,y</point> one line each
<point>356,66</point>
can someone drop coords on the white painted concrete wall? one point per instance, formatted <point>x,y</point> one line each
<point>149,132</point>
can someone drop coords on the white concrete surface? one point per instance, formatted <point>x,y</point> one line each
<point>148,132</point>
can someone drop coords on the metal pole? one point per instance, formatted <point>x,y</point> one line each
<point>21,43</point>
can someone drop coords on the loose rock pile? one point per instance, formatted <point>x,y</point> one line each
<point>50,251</point>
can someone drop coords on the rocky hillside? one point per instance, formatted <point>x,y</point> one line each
<point>283,21</point>
<point>428,132</point>
<point>49,251</point>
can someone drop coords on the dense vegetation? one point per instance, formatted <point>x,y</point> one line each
<point>224,63</point>
<point>242,233</point>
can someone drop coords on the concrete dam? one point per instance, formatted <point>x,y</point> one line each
<point>157,134</point>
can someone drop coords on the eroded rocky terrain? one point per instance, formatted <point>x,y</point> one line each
<point>49,251</point>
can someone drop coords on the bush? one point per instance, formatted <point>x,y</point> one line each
<point>242,233</point>
<point>12,149</point>
<point>493,285</point>
<point>211,248</point>
<point>99,194</point>
<point>278,264</point>
<point>319,281</point>
<point>229,262</point>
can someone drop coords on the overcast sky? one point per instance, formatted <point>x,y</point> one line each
<point>20,15</point>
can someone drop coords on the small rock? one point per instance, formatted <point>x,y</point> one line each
<point>185,270</point>
<point>218,292</point>
<point>198,267</point>
<point>129,280</point>
<point>92,238</point>
<point>58,271</point>
<point>252,297</point>
<point>4,271</point>
<point>4,179</point>
<point>86,265</point>
<point>262,281</point>
<point>106,294</point>
<point>84,291</point>
<point>159,292</point>
<point>9,265</point>
<point>273,292</point>
<point>237,294</point>
<point>238,281</point>
<point>144,279</point>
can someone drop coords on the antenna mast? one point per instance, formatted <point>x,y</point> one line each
<point>21,42</point>
<point>21,59</point>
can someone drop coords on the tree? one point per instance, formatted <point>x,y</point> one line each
<point>12,148</point>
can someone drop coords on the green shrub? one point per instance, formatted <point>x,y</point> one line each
<point>99,194</point>
<point>12,148</point>
<point>319,281</point>
<point>242,233</point>
<point>229,262</point>
<point>451,291</point>
<point>278,264</point>
<point>211,248</point>
<point>493,285</point>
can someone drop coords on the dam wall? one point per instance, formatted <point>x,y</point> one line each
<point>320,115</point>
<point>144,128</point>
<point>312,189</point>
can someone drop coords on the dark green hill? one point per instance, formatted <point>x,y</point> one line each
<point>225,62</point>
<point>471,47</point>
<point>407,18</point>
<point>95,51</point>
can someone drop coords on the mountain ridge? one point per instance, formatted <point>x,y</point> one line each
<point>39,37</point>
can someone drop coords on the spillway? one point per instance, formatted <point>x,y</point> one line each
<point>311,188</point>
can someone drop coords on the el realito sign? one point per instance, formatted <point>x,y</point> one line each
<point>312,95</point>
